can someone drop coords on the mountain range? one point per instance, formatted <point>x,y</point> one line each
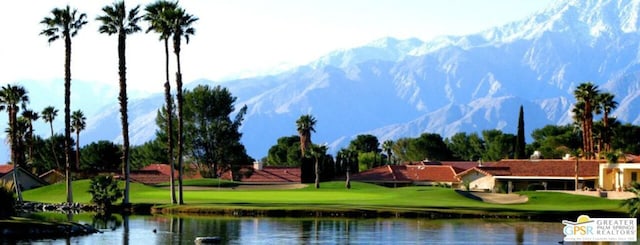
<point>395,88</point>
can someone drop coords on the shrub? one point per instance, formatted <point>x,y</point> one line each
<point>7,202</point>
<point>104,192</point>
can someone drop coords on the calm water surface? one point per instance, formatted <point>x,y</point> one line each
<point>183,230</point>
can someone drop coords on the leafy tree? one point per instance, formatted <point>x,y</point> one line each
<point>427,146</point>
<point>555,141</point>
<point>12,98</point>
<point>498,145</point>
<point>367,160</point>
<point>100,156</point>
<point>285,153</point>
<point>305,125</point>
<point>519,152</point>
<point>116,20</point>
<point>213,136</point>
<point>104,192</point>
<point>626,139</point>
<point>158,15</point>
<point>365,143</point>
<point>78,123</point>
<point>465,147</point>
<point>44,158</point>
<point>8,202</point>
<point>64,24</point>
<point>152,151</point>
<point>49,114</point>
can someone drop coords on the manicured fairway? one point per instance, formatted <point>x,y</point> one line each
<point>333,196</point>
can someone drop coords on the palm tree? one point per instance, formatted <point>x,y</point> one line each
<point>65,24</point>
<point>305,124</point>
<point>157,14</point>
<point>633,204</point>
<point>318,152</point>
<point>117,21</point>
<point>12,98</point>
<point>78,123</point>
<point>608,104</point>
<point>49,114</point>
<point>30,116</point>
<point>387,147</point>
<point>181,23</point>
<point>586,95</point>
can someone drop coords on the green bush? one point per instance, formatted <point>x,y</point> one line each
<point>104,192</point>
<point>7,202</point>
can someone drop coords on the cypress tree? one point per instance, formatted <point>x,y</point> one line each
<point>520,143</point>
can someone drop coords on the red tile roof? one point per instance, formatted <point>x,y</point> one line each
<point>4,169</point>
<point>387,173</point>
<point>407,173</point>
<point>539,168</point>
<point>551,167</point>
<point>460,166</point>
<point>160,173</point>
<point>270,175</point>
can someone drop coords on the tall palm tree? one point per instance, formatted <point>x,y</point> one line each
<point>65,23</point>
<point>78,123</point>
<point>31,116</point>
<point>587,94</point>
<point>305,125</point>
<point>158,14</point>
<point>608,104</point>
<point>12,98</point>
<point>49,114</point>
<point>318,152</point>
<point>117,21</point>
<point>181,23</point>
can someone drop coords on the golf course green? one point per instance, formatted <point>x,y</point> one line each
<point>333,199</point>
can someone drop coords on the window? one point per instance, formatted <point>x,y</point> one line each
<point>634,176</point>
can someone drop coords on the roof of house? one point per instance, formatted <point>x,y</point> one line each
<point>271,174</point>
<point>539,168</point>
<point>159,173</point>
<point>408,173</point>
<point>5,169</point>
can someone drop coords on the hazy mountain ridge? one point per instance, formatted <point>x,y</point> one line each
<point>402,88</point>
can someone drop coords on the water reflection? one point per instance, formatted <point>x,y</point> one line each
<point>183,230</point>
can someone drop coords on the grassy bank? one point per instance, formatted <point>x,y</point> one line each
<point>332,199</point>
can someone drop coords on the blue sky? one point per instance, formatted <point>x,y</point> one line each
<point>237,37</point>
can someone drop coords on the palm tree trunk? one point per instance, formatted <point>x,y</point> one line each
<point>123,112</point>
<point>317,174</point>
<point>67,113</point>
<point>77,150</point>
<point>14,156</point>
<point>53,149</point>
<point>605,135</point>
<point>576,170</point>
<point>180,126</point>
<point>167,94</point>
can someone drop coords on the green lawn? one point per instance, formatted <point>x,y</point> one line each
<point>333,196</point>
<point>205,182</point>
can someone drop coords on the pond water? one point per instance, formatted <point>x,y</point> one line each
<point>183,230</point>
